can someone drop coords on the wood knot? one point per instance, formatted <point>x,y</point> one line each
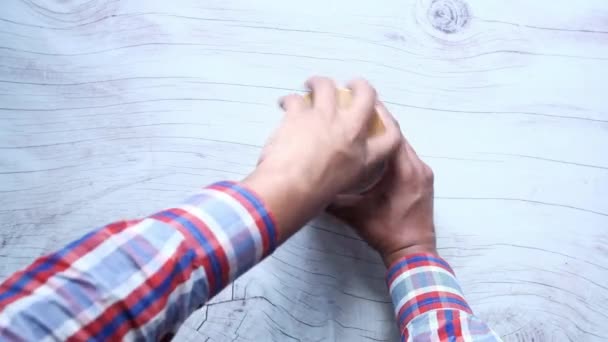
<point>448,16</point>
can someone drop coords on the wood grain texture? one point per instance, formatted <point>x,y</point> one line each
<point>114,109</point>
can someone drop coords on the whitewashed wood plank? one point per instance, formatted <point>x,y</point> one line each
<point>115,109</point>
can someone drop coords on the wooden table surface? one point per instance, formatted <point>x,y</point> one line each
<point>114,109</point>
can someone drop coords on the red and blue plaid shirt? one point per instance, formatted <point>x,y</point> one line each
<point>141,279</point>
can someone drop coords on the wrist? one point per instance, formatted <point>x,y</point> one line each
<point>290,196</point>
<point>398,254</point>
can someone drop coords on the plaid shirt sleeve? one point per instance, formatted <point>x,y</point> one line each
<point>139,279</point>
<point>429,304</point>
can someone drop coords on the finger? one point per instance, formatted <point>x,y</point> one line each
<point>293,102</point>
<point>363,99</point>
<point>324,93</point>
<point>383,146</point>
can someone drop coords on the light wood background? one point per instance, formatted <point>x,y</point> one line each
<point>115,109</point>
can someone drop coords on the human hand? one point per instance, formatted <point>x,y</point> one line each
<point>396,216</point>
<point>327,145</point>
<point>321,149</point>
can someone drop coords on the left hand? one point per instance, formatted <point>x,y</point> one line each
<point>396,216</point>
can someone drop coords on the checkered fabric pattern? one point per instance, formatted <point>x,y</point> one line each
<point>429,304</point>
<point>139,279</point>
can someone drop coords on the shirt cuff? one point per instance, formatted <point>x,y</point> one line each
<point>423,282</point>
<point>256,213</point>
<point>228,226</point>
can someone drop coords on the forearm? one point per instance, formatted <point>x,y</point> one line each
<point>140,278</point>
<point>429,304</point>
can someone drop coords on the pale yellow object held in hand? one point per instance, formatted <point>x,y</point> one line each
<point>345,97</point>
<point>376,127</point>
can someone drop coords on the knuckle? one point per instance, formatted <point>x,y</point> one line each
<point>408,168</point>
<point>363,82</point>
<point>290,98</point>
<point>394,142</point>
<point>397,124</point>
<point>325,82</point>
<point>394,139</point>
<point>352,133</point>
<point>427,174</point>
<point>318,82</point>
<point>372,91</point>
<point>363,85</point>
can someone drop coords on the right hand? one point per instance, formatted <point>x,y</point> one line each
<point>396,216</point>
<point>327,148</point>
<point>320,150</point>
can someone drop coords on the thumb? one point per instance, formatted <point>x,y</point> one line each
<point>382,146</point>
